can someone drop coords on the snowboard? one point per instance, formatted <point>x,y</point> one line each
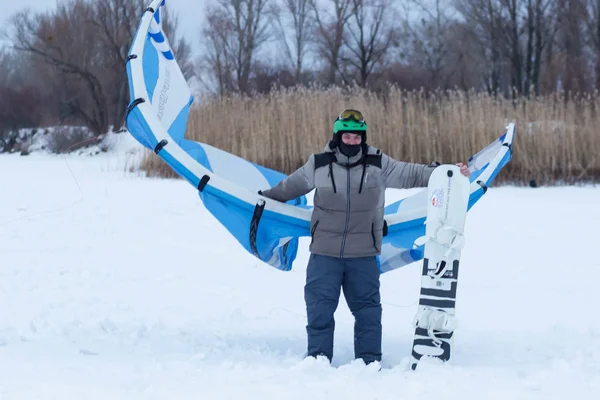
<point>448,198</point>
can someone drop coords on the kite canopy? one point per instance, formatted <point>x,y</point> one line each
<point>228,185</point>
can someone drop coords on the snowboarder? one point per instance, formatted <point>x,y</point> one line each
<point>347,227</point>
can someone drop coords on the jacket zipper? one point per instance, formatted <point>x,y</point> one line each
<point>347,212</point>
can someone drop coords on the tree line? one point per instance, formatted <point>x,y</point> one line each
<point>67,65</point>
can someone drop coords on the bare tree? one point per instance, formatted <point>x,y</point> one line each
<point>485,19</point>
<point>543,22</point>
<point>515,36</point>
<point>593,28</point>
<point>294,16</point>
<point>21,105</point>
<point>463,65</point>
<point>369,37</point>
<point>6,67</point>
<point>216,59</point>
<point>237,30</point>
<point>571,43</point>
<point>512,41</point>
<point>430,36</point>
<point>64,39</point>
<point>528,29</point>
<point>86,45</point>
<point>330,25</point>
<point>116,21</point>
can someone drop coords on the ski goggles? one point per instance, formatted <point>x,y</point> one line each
<point>351,115</point>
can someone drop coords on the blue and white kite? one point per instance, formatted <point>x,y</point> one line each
<point>228,185</point>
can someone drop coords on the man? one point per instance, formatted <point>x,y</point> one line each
<point>347,227</point>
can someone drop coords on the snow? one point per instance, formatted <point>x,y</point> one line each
<point>113,285</point>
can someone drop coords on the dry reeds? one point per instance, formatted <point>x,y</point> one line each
<point>557,141</point>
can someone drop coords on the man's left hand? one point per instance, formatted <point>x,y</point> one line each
<point>464,169</point>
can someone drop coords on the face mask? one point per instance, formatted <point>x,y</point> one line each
<point>349,150</point>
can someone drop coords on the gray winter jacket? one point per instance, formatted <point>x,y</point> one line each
<point>347,220</point>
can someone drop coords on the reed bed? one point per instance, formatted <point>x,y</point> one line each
<point>557,141</point>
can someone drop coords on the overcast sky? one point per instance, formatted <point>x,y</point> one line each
<point>191,13</point>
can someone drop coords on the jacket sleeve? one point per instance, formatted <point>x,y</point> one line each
<point>403,175</point>
<point>297,184</point>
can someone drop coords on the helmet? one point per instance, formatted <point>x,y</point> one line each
<point>350,121</point>
<point>349,126</point>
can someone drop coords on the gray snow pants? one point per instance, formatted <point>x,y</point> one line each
<point>359,277</point>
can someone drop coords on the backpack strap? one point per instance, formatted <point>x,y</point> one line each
<point>324,159</point>
<point>373,159</point>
